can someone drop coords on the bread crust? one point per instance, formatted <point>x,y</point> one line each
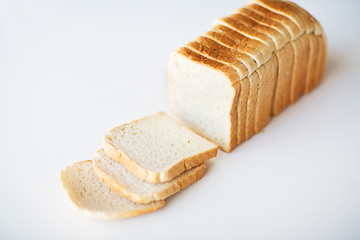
<point>177,185</point>
<point>252,105</point>
<point>219,55</point>
<point>244,58</point>
<point>285,57</point>
<point>294,30</point>
<point>267,81</point>
<point>312,63</point>
<point>239,42</point>
<point>236,22</point>
<point>242,109</point>
<point>272,34</point>
<point>301,53</point>
<point>266,21</point>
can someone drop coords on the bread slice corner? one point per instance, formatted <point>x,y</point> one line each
<point>157,148</point>
<point>120,180</point>
<point>95,199</point>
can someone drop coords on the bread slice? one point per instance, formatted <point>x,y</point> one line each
<point>251,105</point>
<point>120,180</point>
<point>203,94</point>
<point>94,198</point>
<point>267,81</point>
<point>301,58</point>
<point>282,92</point>
<point>157,148</point>
<point>243,108</point>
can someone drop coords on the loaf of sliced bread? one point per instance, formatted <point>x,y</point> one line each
<point>95,198</point>
<point>284,51</point>
<point>120,180</point>
<point>157,148</point>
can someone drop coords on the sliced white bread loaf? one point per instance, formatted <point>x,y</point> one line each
<point>94,198</point>
<point>157,148</point>
<point>120,180</point>
<point>279,37</point>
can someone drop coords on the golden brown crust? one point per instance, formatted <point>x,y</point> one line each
<point>283,8</point>
<point>234,119</point>
<point>251,105</point>
<point>322,59</point>
<point>242,109</point>
<point>285,58</point>
<point>312,62</point>
<point>272,34</point>
<point>298,82</point>
<point>196,57</point>
<point>294,30</point>
<point>175,186</point>
<point>236,22</point>
<point>243,58</point>
<point>218,54</point>
<point>267,81</point>
<point>266,21</point>
<point>318,30</point>
<point>239,42</point>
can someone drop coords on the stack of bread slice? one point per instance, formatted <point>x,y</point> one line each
<point>251,65</point>
<point>142,163</point>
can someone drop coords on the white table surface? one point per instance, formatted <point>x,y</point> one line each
<point>72,70</point>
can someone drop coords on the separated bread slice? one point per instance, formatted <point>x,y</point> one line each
<point>120,180</point>
<point>157,148</point>
<point>94,198</point>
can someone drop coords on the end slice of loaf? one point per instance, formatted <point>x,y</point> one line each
<point>94,198</point>
<point>157,148</point>
<point>120,180</point>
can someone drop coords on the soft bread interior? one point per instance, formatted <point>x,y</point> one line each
<point>202,97</point>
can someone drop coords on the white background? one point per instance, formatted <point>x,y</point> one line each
<point>71,70</point>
